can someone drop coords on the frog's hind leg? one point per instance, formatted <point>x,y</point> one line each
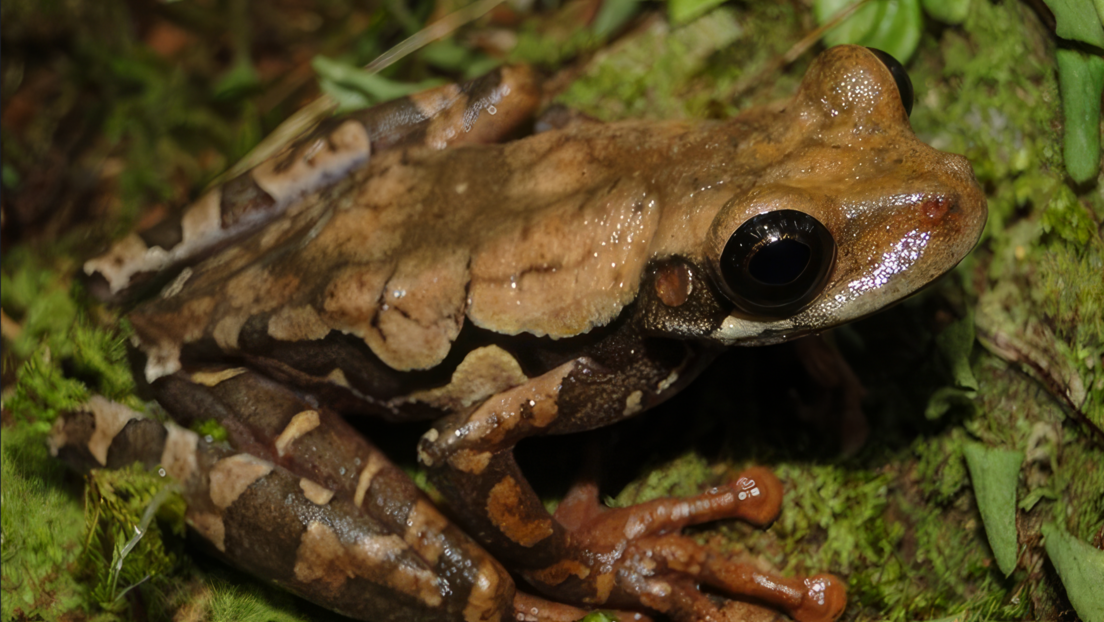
<point>669,567</point>
<point>587,554</point>
<point>298,498</point>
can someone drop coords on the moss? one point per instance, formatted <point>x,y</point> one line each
<point>647,76</point>
<point>41,534</point>
<point>125,546</point>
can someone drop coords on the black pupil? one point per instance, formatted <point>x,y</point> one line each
<point>776,263</point>
<point>780,262</point>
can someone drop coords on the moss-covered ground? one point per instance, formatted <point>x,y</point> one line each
<point>983,396</point>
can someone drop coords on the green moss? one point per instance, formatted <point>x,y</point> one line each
<point>648,75</point>
<point>681,477</point>
<point>124,546</point>
<point>65,369</point>
<point>212,429</point>
<point>940,471</point>
<point>40,531</point>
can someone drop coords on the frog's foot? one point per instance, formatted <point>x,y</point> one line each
<point>641,559</point>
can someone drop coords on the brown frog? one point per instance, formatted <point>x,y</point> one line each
<point>394,265</point>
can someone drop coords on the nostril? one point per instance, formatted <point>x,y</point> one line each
<point>935,208</point>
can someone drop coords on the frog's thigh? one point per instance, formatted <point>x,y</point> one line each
<point>315,507</point>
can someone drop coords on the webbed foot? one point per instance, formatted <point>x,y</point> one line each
<point>639,558</point>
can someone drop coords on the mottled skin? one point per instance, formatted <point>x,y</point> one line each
<point>547,285</point>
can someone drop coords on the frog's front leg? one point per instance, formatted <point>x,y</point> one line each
<point>627,557</point>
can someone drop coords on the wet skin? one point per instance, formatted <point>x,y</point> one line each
<point>401,263</point>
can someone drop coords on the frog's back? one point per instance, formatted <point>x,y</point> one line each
<point>548,235</point>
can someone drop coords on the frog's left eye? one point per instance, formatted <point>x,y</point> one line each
<point>777,262</point>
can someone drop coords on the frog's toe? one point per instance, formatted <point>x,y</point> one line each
<point>678,559</point>
<point>824,600</point>
<point>755,497</point>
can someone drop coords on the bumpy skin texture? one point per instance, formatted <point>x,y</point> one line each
<point>546,285</point>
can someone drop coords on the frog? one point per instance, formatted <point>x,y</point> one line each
<point>419,261</point>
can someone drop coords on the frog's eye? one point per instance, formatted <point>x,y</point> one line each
<point>900,76</point>
<point>777,262</point>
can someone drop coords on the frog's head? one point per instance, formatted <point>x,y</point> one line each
<point>851,213</point>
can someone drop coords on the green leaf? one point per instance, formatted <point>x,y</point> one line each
<point>1081,82</point>
<point>952,12</point>
<point>354,88</point>
<point>892,26</point>
<point>1081,568</point>
<point>241,79</point>
<point>682,11</point>
<point>995,474</point>
<point>1078,20</point>
<point>613,14</point>
<point>947,398</point>
<point>955,343</point>
<point>446,54</point>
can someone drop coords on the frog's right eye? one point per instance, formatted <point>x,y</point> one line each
<point>776,263</point>
<point>900,76</point>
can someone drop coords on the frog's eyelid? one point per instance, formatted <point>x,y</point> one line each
<point>900,76</point>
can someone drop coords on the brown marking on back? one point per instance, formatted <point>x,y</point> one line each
<point>123,260</point>
<point>315,493</point>
<point>484,372</point>
<point>163,332</point>
<point>201,223</point>
<point>421,311</point>
<point>503,502</point>
<point>111,418</point>
<point>215,378</point>
<point>210,526</point>
<point>299,425</point>
<point>300,323</point>
<point>179,456</point>
<point>231,476</point>
<point>307,166</point>
<point>424,531</point>
<point>568,271</point>
<point>252,291</point>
